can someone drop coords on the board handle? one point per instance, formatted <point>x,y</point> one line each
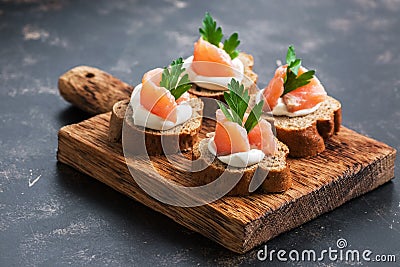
<point>92,90</point>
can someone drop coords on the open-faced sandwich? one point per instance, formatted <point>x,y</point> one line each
<point>161,116</point>
<point>243,145</point>
<point>304,115</point>
<point>214,63</point>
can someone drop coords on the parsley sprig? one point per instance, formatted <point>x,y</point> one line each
<point>210,32</point>
<point>171,79</point>
<point>213,34</point>
<point>292,81</point>
<point>231,44</point>
<point>238,101</point>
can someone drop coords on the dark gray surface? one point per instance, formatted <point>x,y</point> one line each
<point>69,218</point>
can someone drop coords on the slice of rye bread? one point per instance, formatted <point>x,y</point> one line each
<point>273,169</point>
<point>305,135</point>
<point>140,140</point>
<point>249,80</point>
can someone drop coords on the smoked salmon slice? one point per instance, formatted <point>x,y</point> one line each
<point>231,138</point>
<point>261,137</point>
<point>274,89</point>
<point>158,100</point>
<point>210,60</point>
<point>304,97</point>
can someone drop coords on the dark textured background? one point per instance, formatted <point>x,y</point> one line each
<point>69,218</point>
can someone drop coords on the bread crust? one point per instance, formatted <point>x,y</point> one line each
<point>117,120</point>
<point>140,140</point>
<point>278,177</point>
<point>308,138</point>
<point>250,80</point>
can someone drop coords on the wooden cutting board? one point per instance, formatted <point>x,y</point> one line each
<point>351,166</point>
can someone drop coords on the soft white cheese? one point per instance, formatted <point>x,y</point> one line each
<point>214,83</point>
<point>143,117</point>
<point>281,110</point>
<point>240,159</point>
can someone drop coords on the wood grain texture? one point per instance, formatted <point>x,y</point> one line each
<point>92,90</point>
<point>351,165</point>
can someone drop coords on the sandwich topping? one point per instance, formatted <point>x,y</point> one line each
<point>160,101</point>
<point>294,90</point>
<point>241,139</point>
<point>214,63</point>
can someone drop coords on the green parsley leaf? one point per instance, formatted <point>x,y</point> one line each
<point>210,32</point>
<point>295,66</point>
<point>237,99</point>
<point>292,81</point>
<point>213,34</point>
<point>290,55</point>
<point>183,86</point>
<point>231,44</point>
<point>226,112</point>
<point>254,116</point>
<point>171,79</point>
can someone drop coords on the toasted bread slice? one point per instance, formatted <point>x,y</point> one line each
<point>305,135</point>
<point>249,80</point>
<point>141,140</point>
<point>275,168</point>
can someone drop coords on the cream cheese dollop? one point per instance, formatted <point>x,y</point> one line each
<point>240,159</point>
<point>214,83</point>
<point>143,117</point>
<point>281,110</point>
